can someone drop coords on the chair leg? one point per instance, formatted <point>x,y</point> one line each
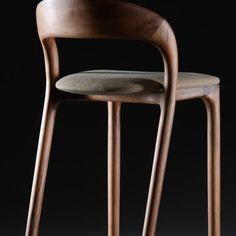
<point>212,103</point>
<point>41,167</point>
<point>158,170</point>
<point>114,168</point>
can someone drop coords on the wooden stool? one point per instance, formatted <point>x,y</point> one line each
<point>108,19</point>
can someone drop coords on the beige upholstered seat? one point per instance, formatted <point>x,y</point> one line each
<point>113,82</point>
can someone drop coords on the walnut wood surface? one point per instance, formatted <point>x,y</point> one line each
<point>119,19</point>
<point>106,19</point>
<point>95,19</point>
<point>41,166</point>
<point>158,169</point>
<point>114,168</point>
<point>212,103</point>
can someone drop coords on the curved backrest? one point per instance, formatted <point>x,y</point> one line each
<point>95,19</point>
<point>104,19</point>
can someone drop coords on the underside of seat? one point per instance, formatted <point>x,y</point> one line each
<point>114,82</point>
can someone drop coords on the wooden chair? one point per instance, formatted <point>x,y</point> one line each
<point>108,19</point>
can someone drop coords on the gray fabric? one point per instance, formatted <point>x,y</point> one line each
<point>113,82</point>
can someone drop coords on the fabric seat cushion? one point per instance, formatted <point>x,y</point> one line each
<point>114,82</point>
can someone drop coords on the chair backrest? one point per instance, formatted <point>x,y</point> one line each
<point>95,19</point>
<point>103,19</point>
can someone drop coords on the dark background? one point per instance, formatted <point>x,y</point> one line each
<point>75,198</point>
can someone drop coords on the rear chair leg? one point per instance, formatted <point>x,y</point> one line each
<point>212,103</point>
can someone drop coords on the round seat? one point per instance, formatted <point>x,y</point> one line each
<point>114,82</point>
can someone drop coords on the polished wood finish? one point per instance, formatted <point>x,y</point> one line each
<point>108,19</point>
<point>41,166</point>
<point>212,102</point>
<point>158,169</point>
<point>119,19</point>
<point>95,19</point>
<point>114,168</point>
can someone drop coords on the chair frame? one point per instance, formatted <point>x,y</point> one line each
<point>86,19</point>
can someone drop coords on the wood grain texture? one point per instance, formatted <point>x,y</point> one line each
<point>212,103</point>
<point>41,166</point>
<point>108,19</point>
<point>118,19</point>
<point>114,168</point>
<point>158,169</point>
<point>95,19</point>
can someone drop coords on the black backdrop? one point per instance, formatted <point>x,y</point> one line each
<point>75,200</point>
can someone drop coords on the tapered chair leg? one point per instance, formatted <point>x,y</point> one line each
<point>158,170</point>
<point>114,168</point>
<point>41,167</point>
<point>212,103</point>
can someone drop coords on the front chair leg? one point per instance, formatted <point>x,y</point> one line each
<point>212,103</point>
<point>158,169</point>
<point>41,167</point>
<point>114,168</point>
